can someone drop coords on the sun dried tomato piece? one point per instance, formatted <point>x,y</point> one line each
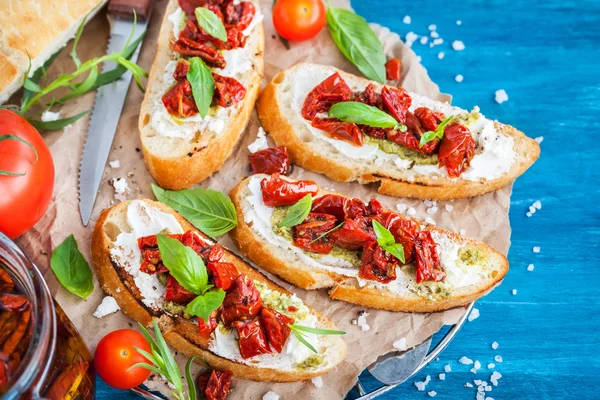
<point>151,259</point>
<point>13,302</point>
<point>62,386</point>
<point>195,242</point>
<point>214,385</point>
<point>457,149</point>
<point>276,327</point>
<point>428,118</point>
<point>392,69</point>
<point>307,234</point>
<point>353,234</point>
<point>396,101</point>
<point>403,230</point>
<point>212,254</point>
<point>347,131</point>
<point>241,302</point>
<point>428,266</point>
<point>181,70</point>
<point>192,48</point>
<point>238,16</point>
<point>6,282</point>
<point>411,138</point>
<point>177,293</point>
<point>332,90</point>
<point>228,91</point>
<point>370,96</point>
<point>279,192</point>
<point>339,206</point>
<point>206,328</point>
<point>189,6</point>
<point>179,100</point>
<point>223,274</point>
<point>252,338</point>
<point>270,161</point>
<point>377,264</point>
<point>235,39</point>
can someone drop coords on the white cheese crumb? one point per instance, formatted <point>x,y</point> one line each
<point>432,27</point>
<point>442,377</point>
<point>260,143</point>
<point>432,393</point>
<point>449,207</point>
<point>432,210</point>
<point>434,34</point>
<point>491,366</point>
<point>539,139</point>
<point>121,188</point>
<point>107,306</point>
<point>462,232</point>
<point>537,204</point>
<point>473,315</point>
<point>498,359</point>
<point>469,385</point>
<point>421,385</point>
<point>429,220</point>
<point>48,116</point>
<point>410,38</point>
<point>530,267</point>
<point>407,20</point>
<point>400,344</point>
<point>495,345</point>
<point>424,39</point>
<point>501,96</point>
<point>114,164</point>
<point>458,45</point>
<point>447,368</point>
<point>459,22</point>
<point>465,360</point>
<point>494,378</point>
<point>362,321</point>
<point>440,55</point>
<point>401,207</point>
<point>270,396</point>
<point>514,292</point>
<point>317,381</point>
<point>411,211</point>
<point>459,78</point>
<point>536,249</point>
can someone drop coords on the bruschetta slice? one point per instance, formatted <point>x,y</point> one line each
<point>237,337</point>
<point>180,146</point>
<point>336,247</point>
<point>468,155</point>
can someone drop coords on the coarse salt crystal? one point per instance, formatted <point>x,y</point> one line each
<point>442,377</point>
<point>458,45</point>
<point>465,360</point>
<point>477,365</point>
<point>440,55</point>
<point>317,381</point>
<point>530,267</point>
<point>434,34</point>
<point>478,382</point>
<point>432,210</point>
<point>429,203</point>
<point>473,315</point>
<point>400,344</point>
<point>449,207</point>
<point>424,39</point>
<point>270,396</point>
<point>419,58</point>
<point>462,232</point>
<point>536,249</point>
<point>494,378</point>
<point>432,27</point>
<point>459,78</point>
<point>362,321</point>
<point>410,38</point>
<point>495,345</point>
<point>501,96</point>
<point>411,211</point>
<point>469,385</point>
<point>447,368</point>
<point>431,221</point>
<point>401,207</point>
<point>528,214</point>
<point>438,41</point>
<point>421,385</point>
<point>539,139</point>
<point>459,22</point>
<point>498,359</point>
<point>473,370</point>
<point>491,366</point>
<point>537,204</point>
<point>432,393</point>
<point>407,20</point>
<point>514,292</point>
<point>114,164</point>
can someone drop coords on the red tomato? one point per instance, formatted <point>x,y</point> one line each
<point>24,198</point>
<point>299,20</point>
<point>114,356</point>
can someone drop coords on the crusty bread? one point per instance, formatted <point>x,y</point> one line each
<point>179,332</point>
<point>291,268</point>
<point>37,27</point>
<point>280,121</point>
<point>178,163</point>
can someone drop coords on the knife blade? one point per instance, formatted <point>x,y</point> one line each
<point>109,101</point>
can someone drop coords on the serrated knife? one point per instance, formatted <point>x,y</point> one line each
<point>109,101</point>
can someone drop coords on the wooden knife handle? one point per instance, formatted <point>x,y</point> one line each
<point>124,8</point>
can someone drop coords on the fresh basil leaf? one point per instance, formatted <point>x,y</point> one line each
<point>203,84</point>
<point>397,250</point>
<point>387,241</point>
<point>58,124</point>
<point>316,331</point>
<point>71,269</point>
<point>210,211</point>
<point>362,114</point>
<point>184,264</point>
<point>357,42</point>
<point>438,133</point>
<point>298,212</point>
<point>32,86</point>
<point>203,305</point>
<point>211,23</point>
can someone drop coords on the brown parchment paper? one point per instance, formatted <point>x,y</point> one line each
<point>484,217</point>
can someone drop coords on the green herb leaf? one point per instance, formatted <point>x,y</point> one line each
<point>357,42</point>
<point>170,364</point>
<point>58,124</point>
<point>316,331</point>
<point>305,342</point>
<point>298,212</point>
<point>362,114</point>
<point>17,139</point>
<point>438,133</point>
<point>204,304</point>
<point>76,41</point>
<point>190,379</point>
<point>387,241</point>
<point>32,86</point>
<point>71,269</point>
<point>184,264</point>
<point>203,84</point>
<point>211,23</point>
<point>83,87</point>
<point>37,75</point>
<point>210,211</point>
<point>145,366</point>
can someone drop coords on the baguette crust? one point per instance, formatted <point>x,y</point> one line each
<point>274,120</point>
<point>180,333</point>
<point>198,159</point>
<point>347,288</point>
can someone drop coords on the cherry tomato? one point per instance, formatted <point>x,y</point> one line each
<point>114,356</point>
<point>24,198</point>
<point>299,20</point>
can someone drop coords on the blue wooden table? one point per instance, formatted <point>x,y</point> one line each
<point>546,55</point>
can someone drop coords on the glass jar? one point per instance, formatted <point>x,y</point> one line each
<point>42,356</point>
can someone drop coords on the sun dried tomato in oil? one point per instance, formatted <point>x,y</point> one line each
<point>270,161</point>
<point>252,338</point>
<point>327,93</point>
<point>214,385</point>
<point>276,327</point>
<point>277,191</point>
<point>456,150</point>
<point>242,301</point>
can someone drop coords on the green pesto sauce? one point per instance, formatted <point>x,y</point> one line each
<point>389,147</point>
<point>472,256</point>
<point>176,309</point>
<point>311,362</point>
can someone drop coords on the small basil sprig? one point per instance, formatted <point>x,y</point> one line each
<point>202,83</point>
<point>357,42</point>
<point>387,241</point>
<point>364,114</point>
<point>188,269</point>
<point>300,332</point>
<point>438,133</point>
<point>71,269</point>
<point>211,23</point>
<point>208,210</point>
<point>298,212</point>
<point>17,139</point>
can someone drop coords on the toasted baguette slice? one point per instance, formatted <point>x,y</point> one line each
<point>195,150</point>
<point>114,228</point>
<point>279,108</point>
<point>467,280</point>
